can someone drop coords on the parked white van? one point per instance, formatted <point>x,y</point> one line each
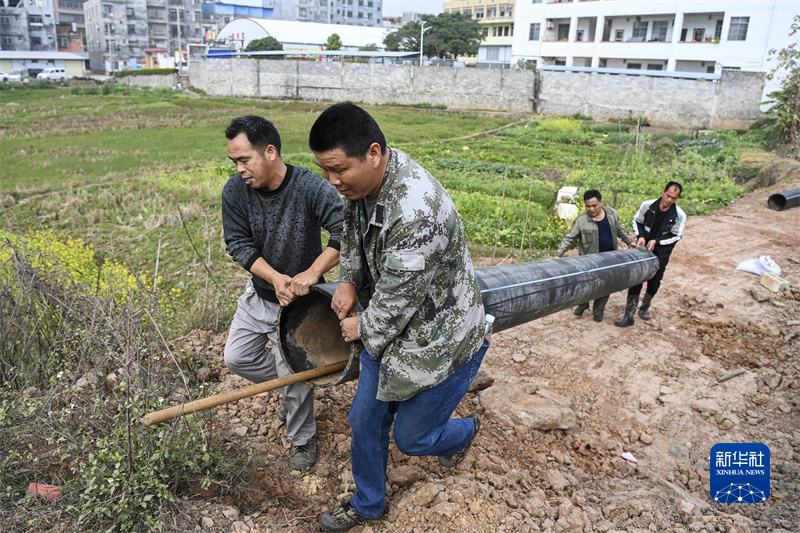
<point>52,73</point>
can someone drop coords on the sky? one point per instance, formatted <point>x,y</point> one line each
<point>395,8</point>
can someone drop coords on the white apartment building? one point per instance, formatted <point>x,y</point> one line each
<point>699,36</point>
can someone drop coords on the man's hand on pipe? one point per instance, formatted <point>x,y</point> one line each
<point>301,283</point>
<point>344,300</point>
<point>283,289</point>
<point>350,328</point>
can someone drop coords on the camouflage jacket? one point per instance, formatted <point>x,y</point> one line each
<point>584,229</point>
<point>423,314</point>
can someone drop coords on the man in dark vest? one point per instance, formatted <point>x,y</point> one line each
<point>658,225</point>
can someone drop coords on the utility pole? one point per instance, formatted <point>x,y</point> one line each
<point>180,52</point>
<point>422,30</point>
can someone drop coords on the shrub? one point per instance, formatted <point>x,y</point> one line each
<point>145,72</point>
<point>77,429</point>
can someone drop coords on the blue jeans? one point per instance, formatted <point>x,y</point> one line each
<point>422,426</point>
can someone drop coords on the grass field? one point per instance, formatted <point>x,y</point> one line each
<point>126,170</point>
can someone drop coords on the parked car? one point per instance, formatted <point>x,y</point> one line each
<point>52,73</point>
<point>3,77</point>
<point>18,75</point>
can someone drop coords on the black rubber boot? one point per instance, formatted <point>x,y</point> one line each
<point>580,309</point>
<point>630,311</point>
<point>644,310</point>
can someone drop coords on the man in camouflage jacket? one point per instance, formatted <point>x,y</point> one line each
<point>404,258</point>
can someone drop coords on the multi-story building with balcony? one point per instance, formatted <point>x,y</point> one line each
<point>351,12</point>
<point>27,25</point>
<point>698,36</point>
<point>496,18</point>
<point>70,25</point>
<point>118,31</point>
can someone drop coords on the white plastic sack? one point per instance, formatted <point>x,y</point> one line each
<point>567,212</point>
<point>760,266</point>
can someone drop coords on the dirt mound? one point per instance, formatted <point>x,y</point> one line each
<point>713,365</point>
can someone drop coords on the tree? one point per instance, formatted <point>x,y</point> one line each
<point>334,42</point>
<point>446,34</point>
<point>371,47</point>
<point>452,34</point>
<point>264,45</point>
<point>406,39</point>
<point>786,109</point>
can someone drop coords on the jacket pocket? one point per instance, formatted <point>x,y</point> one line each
<point>405,261</point>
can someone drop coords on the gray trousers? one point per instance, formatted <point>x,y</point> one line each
<point>246,355</point>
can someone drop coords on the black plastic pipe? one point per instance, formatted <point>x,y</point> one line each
<point>310,335</point>
<point>784,200</point>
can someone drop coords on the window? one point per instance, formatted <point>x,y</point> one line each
<point>349,13</point>
<point>659,30</point>
<point>634,66</point>
<point>563,32</point>
<point>494,31</point>
<point>69,4</point>
<point>537,1</point>
<point>71,17</point>
<point>360,3</point>
<point>108,10</point>
<point>35,19</point>
<point>6,41</point>
<point>718,30</point>
<point>63,41</point>
<point>157,29</point>
<point>640,33</point>
<point>505,31</point>
<point>738,31</point>
<point>36,41</point>
<point>5,20</point>
<point>129,11</point>
<point>486,31</point>
<point>619,35</point>
<point>651,66</point>
<point>131,29</point>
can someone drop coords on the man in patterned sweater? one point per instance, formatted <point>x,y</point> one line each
<point>405,260</point>
<point>272,214</point>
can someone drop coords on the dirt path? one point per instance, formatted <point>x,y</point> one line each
<point>653,390</point>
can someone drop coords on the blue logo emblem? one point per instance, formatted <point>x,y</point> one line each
<point>739,473</point>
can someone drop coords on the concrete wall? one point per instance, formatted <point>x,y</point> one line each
<point>456,88</point>
<point>731,102</point>
<point>152,80</point>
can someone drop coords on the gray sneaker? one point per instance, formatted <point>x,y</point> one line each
<point>340,519</point>
<point>302,457</point>
<point>449,461</point>
<point>282,412</point>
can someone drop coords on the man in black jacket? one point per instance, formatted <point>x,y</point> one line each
<point>658,225</point>
<point>272,214</point>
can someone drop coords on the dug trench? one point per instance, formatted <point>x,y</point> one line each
<point>561,398</point>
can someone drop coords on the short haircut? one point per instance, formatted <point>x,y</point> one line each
<point>260,132</point>
<point>672,184</point>
<point>592,193</point>
<point>346,126</point>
